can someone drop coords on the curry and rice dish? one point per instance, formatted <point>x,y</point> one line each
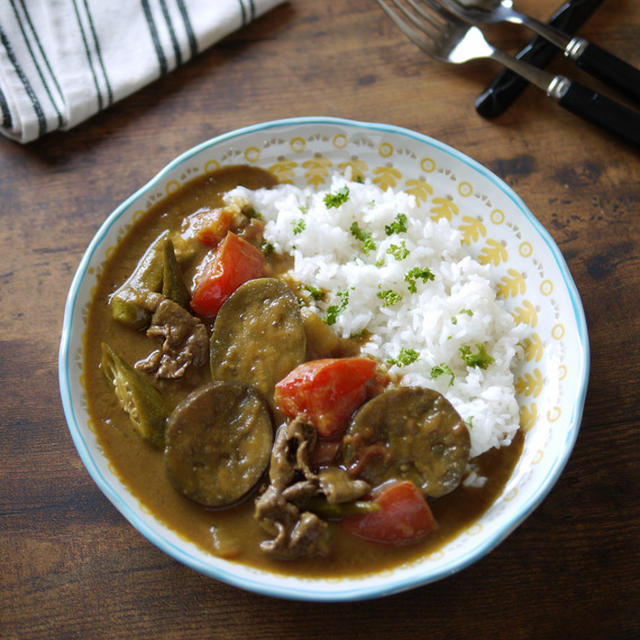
<point>311,382</point>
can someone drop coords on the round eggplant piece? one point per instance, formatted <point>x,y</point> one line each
<point>408,433</point>
<point>218,443</point>
<point>258,336</point>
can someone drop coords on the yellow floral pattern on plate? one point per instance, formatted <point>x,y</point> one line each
<point>527,269</point>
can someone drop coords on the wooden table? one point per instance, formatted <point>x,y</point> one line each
<point>73,568</point>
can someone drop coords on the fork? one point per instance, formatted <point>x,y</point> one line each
<point>445,37</point>
<point>588,56</point>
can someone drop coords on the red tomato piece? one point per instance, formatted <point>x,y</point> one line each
<point>234,262</point>
<point>404,516</point>
<point>326,391</point>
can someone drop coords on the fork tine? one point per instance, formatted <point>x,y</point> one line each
<point>438,22</point>
<point>417,37</point>
<point>424,14</point>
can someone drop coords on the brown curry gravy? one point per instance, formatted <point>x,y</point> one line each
<point>140,466</point>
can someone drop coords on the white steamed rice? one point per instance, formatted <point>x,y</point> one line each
<point>457,308</point>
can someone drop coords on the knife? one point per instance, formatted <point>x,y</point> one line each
<point>507,86</point>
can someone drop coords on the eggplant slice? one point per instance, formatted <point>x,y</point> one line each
<point>218,443</point>
<point>408,433</point>
<point>258,336</point>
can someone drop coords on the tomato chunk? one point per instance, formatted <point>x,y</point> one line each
<point>404,516</point>
<point>326,391</point>
<point>234,262</point>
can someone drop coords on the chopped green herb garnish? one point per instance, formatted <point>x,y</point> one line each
<point>469,423</point>
<point>335,310</point>
<point>399,252</point>
<point>405,357</point>
<point>454,319</point>
<point>359,179</point>
<point>441,369</point>
<point>316,294</point>
<point>415,274</point>
<point>252,213</point>
<point>389,296</point>
<point>334,200</point>
<point>299,226</point>
<point>399,225</point>
<point>332,314</point>
<point>481,359</point>
<point>267,248</point>
<point>368,245</point>
<point>303,210</point>
<point>380,262</point>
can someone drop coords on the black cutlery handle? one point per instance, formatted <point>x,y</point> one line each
<point>603,111</point>
<point>508,86</point>
<point>610,69</point>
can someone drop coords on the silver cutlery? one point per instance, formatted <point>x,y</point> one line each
<point>588,56</point>
<point>507,86</point>
<point>445,37</point>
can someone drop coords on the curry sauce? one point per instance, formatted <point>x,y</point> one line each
<point>141,467</point>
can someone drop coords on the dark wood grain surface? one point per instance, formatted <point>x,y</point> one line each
<point>73,568</point>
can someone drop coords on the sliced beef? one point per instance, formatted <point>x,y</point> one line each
<point>185,340</point>
<point>291,451</point>
<point>339,487</point>
<point>309,536</point>
<point>276,517</point>
<point>294,533</point>
<point>280,511</point>
<point>299,492</point>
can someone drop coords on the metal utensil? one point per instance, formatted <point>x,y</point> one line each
<point>507,86</point>
<point>588,56</point>
<point>445,37</point>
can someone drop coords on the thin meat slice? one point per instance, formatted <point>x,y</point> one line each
<point>282,508</point>
<point>185,341</point>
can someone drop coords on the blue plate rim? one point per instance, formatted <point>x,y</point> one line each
<point>299,592</point>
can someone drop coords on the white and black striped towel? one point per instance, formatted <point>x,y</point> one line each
<point>61,61</point>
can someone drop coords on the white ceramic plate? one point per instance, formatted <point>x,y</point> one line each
<point>529,271</point>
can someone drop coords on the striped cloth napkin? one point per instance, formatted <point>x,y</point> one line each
<point>61,61</point>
